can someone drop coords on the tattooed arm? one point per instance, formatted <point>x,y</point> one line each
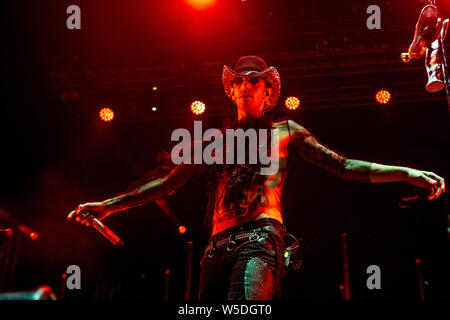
<point>309,148</point>
<point>149,192</point>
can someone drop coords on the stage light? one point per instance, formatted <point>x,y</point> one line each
<point>383,96</point>
<point>27,231</point>
<point>8,231</point>
<point>155,88</point>
<point>106,114</point>
<point>201,4</point>
<point>34,235</point>
<point>154,109</point>
<point>182,229</point>
<point>198,107</point>
<point>292,103</point>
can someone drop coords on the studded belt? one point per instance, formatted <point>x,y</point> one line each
<point>230,242</point>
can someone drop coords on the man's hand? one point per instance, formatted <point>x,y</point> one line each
<point>427,180</point>
<point>84,213</point>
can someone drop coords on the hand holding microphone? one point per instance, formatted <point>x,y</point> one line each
<point>90,214</point>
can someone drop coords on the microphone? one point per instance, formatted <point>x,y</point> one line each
<point>106,232</point>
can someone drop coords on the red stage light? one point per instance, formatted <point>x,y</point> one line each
<point>198,107</point>
<point>182,229</point>
<point>9,232</point>
<point>34,235</point>
<point>292,103</point>
<point>106,114</point>
<point>201,4</point>
<point>383,96</point>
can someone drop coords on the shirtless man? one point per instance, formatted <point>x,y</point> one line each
<point>244,256</point>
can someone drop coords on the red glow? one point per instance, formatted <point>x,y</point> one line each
<point>106,114</point>
<point>9,232</point>
<point>182,229</point>
<point>198,107</point>
<point>34,235</point>
<point>201,4</point>
<point>75,95</point>
<point>383,96</point>
<point>418,260</point>
<point>64,275</point>
<point>64,96</point>
<point>292,103</point>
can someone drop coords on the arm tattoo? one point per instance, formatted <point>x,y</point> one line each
<point>310,149</point>
<point>314,152</point>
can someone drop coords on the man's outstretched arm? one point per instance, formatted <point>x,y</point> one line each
<point>309,148</point>
<point>149,192</point>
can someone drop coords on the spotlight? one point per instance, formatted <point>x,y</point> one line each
<point>383,96</point>
<point>154,108</point>
<point>34,235</point>
<point>182,229</point>
<point>201,4</point>
<point>28,232</point>
<point>292,103</point>
<point>198,107</point>
<point>106,114</point>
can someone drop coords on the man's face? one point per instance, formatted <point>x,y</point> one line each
<point>250,93</point>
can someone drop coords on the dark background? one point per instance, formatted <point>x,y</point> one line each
<point>56,153</point>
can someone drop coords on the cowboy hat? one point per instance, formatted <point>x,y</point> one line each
<point>256,67</point>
